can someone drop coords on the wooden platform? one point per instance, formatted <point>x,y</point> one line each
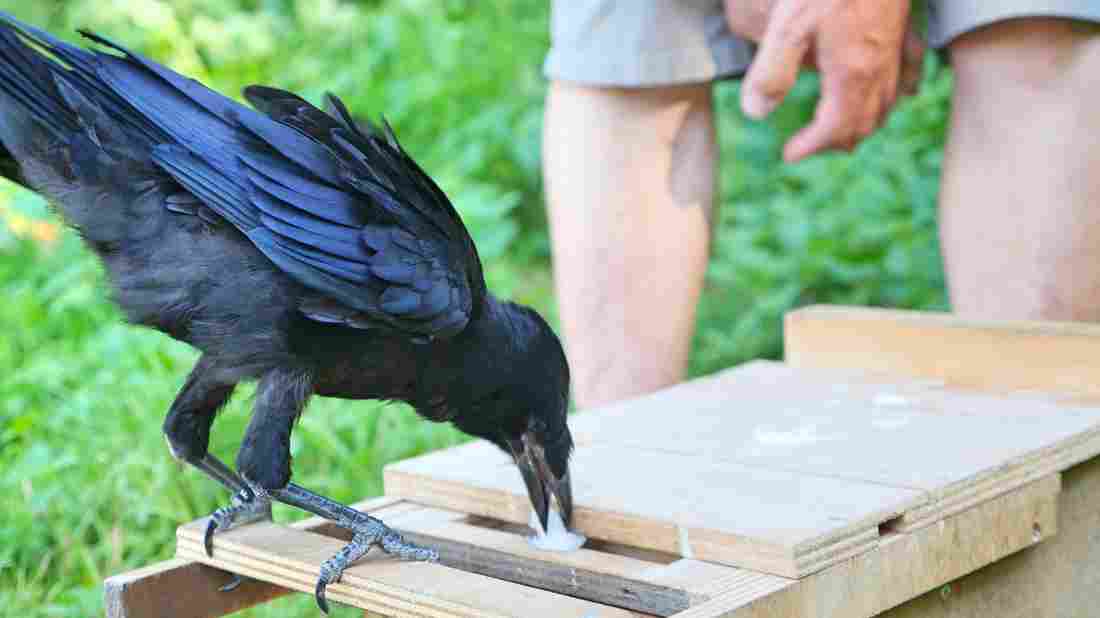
<point>832,485</point>
<point>780,470</point>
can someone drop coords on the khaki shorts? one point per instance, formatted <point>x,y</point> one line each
<point>634,43</point>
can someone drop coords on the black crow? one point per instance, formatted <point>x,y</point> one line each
<point>291,246</point>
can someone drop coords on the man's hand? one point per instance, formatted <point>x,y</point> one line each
<point>857,45</point>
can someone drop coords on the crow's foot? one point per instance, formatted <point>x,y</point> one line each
<point>367,532</point>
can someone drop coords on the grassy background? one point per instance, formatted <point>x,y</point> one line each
<point>88,486</point>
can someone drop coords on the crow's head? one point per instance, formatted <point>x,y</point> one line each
<point>525,413</point>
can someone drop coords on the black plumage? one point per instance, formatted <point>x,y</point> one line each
<point>292,247</point>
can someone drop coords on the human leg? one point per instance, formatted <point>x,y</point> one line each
<point>630,182</point>
<point>628,159</point>
<point>1020,197</point>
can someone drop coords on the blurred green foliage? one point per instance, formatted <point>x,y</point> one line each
<point>88,485</point>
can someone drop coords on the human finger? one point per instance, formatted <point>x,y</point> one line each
<point>775,67</point>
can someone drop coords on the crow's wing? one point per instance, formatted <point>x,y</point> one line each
<point>342,210</point>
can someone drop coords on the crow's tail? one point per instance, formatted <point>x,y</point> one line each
<point>64,132</point>
<point>31,112</point>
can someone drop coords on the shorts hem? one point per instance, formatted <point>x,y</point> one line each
<point>646,71</point>
<point>955,18</point>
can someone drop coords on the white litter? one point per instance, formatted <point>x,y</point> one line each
<point>556,538</point>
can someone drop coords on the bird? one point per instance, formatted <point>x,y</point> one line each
<point>293,247</point>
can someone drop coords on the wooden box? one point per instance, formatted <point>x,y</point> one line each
<point>897,463</point>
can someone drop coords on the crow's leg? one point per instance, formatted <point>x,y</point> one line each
<point>214,468</point>
<point>264,462</point>
<point>368,531</point>
<point>264,457</point>
<point>187,426</point>
<point>187,429</point>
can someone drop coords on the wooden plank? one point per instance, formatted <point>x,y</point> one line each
<point>291,558</point>
<point>178,588</point>
<point>906,565</point>
<point>610,579</point>
<point>777,469</point>
<point>1018,355</point>
<point>773,521</point>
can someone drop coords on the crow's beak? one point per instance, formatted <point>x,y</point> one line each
<point>540,480</point>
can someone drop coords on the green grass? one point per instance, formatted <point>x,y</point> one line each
<point>89,489</point>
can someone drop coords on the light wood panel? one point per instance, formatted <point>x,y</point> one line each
<point>1001,356</point>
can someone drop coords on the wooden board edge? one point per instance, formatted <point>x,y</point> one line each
<point>993,485</point>
<point>906,565</point>
<point>983,355</point>
<point>774,559</point>
<point>413,487</point>
<point>942,319</point>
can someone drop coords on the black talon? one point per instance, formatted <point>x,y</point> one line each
<point>319,595</point>
<point>215,469</point>
<point>247,506</point>
<point>232,585</point>
<point>208,537</point>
